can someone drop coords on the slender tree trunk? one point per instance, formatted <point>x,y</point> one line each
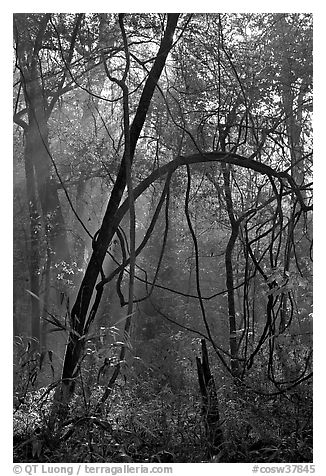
<point>43,201</point>
<point>34,262</point>
<point>36,139</point>
<point>229,263</point>
<point>46,296</point>
<point>81,239</point>
<point>231,299</point>
<point>210,410</point>
<point>292,98</point>
<point>79,322</point>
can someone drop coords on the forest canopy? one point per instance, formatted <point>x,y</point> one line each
<point>162,237</point>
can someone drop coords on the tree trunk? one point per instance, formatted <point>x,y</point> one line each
<point>34,253</point>
<point>43,201</point>
<point>210,409</point>
<point>36,138</point>
<point>79,322</point>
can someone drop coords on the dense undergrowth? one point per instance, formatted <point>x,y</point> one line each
<point>140,424</point>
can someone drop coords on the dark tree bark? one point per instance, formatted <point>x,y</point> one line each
<point>210,410</point>
<point>79,322</point>
<point>230,273</point>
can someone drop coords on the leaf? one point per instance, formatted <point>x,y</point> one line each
<point>54,321</point>
<point>33,295</point>
<point>123,319</point>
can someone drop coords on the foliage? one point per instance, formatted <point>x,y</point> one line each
<point>134,428</point>
<point>163,195</point>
